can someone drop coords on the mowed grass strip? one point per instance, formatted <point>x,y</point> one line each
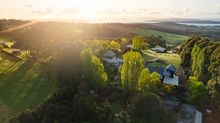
<point>26,84</point>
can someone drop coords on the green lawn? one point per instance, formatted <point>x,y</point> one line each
<point>24,84</point>
<point>157,64</point>
<point>167,58</point>
<point>169,37</point>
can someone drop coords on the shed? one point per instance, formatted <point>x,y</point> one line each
<point>15,51</point>
<point>159,49</point>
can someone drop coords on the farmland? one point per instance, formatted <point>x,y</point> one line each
<point>171,38</point>
<point>24,85</point>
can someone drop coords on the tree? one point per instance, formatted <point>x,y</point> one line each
<point>148,108</point>
<point>137,42</point>
<point>197,90</point>
<point>93,69</point>
<point>147,81</point>
<point>115,45</point>
<point>144,46</point>
<point>124,41</point>
<point>131,69</point>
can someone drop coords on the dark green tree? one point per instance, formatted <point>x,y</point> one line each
<point>93,69</point>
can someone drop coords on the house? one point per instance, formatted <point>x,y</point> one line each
<point>15,51</point>
<point>159,49</point>
<point>182,113</point>
<point>159,70</point>
<point>114,61</point>
<point>109,54</point>
<point>167,74</point>
<point>189,114</point>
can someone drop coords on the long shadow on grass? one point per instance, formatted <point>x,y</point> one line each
<point>10,80</point>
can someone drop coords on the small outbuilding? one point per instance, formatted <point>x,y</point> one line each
<point>15,51</point>
<point>159,49</point>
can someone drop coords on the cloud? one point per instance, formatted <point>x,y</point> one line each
<point>155,13</point>
<point>142,10</point>
<point>71,10</point>
<point>29,6</point>
<point>47,11</point>
<point>187,10</point>
<point>123,11</point>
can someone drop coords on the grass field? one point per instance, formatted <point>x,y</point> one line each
<point>167,58</point>
<point>23,85</point>
<point>169,37</point>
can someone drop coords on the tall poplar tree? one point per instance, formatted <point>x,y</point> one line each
<point>137,42</point>
<point>131,69</point>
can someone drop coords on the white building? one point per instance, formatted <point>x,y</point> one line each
<point>114,61</point>
<point>159,49</point>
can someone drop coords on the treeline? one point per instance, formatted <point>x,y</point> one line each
<point>6,24</point>
<point>39,36</point>
<point>201,58</point>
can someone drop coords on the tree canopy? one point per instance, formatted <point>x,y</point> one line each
<point>137,42</point>
<point>148,108</point>
<point>147,81</point>
<point>131,69</point>
<point>93,69</point>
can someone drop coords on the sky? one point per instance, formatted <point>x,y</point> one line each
<point>109,10</point>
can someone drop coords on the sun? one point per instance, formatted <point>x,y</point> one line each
<point>87,9</point>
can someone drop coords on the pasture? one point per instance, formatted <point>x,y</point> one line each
<point>167,58</point>
<point>170,38</point>
<point>24,85</point>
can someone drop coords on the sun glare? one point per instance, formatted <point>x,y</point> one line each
<point>86,10</point>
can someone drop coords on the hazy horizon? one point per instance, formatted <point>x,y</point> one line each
<point>109,10</point>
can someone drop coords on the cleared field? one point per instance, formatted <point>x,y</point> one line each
<point>169,37</point>
<point>167,58</point>
<point>24,85</point>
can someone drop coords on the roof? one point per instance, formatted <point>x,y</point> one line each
<point>171,68</point>
<point>166,73</point>
<point>160,49</point>
<point>159,70</point>
<point>109,53</point>
<point>171,81</point>
<point>114,60</point>
<point>198,118</point>
<point>15,50</point>
<point>189,114</point>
